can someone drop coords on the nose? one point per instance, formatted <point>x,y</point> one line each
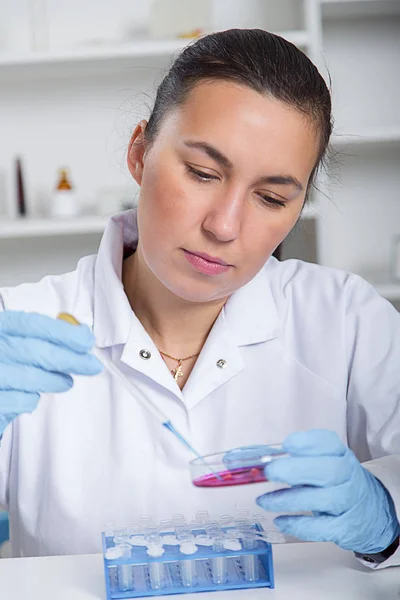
<point>224,216</point>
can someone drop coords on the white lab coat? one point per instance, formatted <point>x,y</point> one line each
<point>305,347</point>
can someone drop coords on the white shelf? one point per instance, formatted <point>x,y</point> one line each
<point>368,136</point>
<point>106,56</point>
<point>133,50</point>
<point>26,227</point>
<point>359,8</point>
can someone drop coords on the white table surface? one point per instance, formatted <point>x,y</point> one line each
<point>302,572</point>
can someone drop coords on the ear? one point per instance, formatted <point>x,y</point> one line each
<point>136,152</point>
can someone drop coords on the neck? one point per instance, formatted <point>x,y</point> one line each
<point>177,326</point>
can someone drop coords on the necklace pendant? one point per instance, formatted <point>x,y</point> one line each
<point>177,372</point>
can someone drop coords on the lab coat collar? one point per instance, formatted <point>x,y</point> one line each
<point>113,315</point>
<point>249,317</point>
<point>251,312</point>
<point>114,320</point>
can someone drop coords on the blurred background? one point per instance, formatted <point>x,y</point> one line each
<point>76,76</point>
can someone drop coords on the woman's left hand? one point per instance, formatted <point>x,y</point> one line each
<point>350,506</point>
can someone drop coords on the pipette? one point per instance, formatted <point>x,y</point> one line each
<point>146,402</point>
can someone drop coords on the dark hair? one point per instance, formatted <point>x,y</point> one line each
<point>257,59</point>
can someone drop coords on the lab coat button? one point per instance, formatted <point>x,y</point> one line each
<point>221,363</point>
<point>368,559</point>
<point>145,354</point>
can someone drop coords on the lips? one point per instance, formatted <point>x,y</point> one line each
<point>206,264</point>
<point>211,259</point>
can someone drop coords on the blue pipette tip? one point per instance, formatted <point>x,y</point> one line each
<point>180,437</point>
<point>168,425</point>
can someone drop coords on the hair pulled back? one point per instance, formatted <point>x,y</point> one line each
<point>255,58</point>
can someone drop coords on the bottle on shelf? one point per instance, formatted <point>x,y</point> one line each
<point>64,200</point>
<point>21,203</point>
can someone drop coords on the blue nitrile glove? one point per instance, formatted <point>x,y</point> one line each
<point>351,507</point>
<point>37,355</point>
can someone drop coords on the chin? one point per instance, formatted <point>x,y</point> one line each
<point>197,293</point>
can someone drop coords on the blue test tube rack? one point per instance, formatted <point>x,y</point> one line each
<point>136,570</point>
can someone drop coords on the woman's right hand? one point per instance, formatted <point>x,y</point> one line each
<point>38,354</point>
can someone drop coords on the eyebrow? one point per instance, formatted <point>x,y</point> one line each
<point>281,180</point>
<point>224,161</point>
<point>212,152</point>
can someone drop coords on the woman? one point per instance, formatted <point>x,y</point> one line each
<point>234,346</point>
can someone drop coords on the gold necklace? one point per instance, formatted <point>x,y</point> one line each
<point>178,372</point>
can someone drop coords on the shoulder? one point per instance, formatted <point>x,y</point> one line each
<point>70,292</point>
<point>335,296</point>
<point>316,286</point>
<point>295,275</point>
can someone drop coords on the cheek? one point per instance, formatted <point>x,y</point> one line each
<point>164,212</point>
<point>265,232</point>
<point>163,189</point>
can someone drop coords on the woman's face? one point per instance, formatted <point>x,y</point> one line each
<point>221,186</point>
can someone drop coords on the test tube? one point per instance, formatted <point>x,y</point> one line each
<point>109,529</point>
<point>260,521</point>
<point>188,567</point>
<point>134,529</point>
<point>165,525</point>
<point>182,531</point>
<point>156,540</point>
<point>250,561</point>
<point>242,513</point>
<point>202,516</point>
<point>156,569</point>
<point>147,524</point>
<point>226,521</point>
<point>212,529</point>
<point>121,536</point>
<point>178,519</point>
<point>219,563</point>
<point>243,525</point>
<point>202,539</point>
<point>195,525</point>
<point>156,572</point>
<point>125,577</point>
<point>136,536</point>
<point>112,554</point>
<point>232,540</point>
<point>188,570</point>
<point>234,532</point>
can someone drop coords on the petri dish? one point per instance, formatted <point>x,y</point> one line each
<point>239,466</point>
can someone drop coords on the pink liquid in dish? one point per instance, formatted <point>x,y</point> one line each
<point>232,477</point>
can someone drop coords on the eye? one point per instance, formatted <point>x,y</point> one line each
<point>199,175</point>
<point>272,202</point>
